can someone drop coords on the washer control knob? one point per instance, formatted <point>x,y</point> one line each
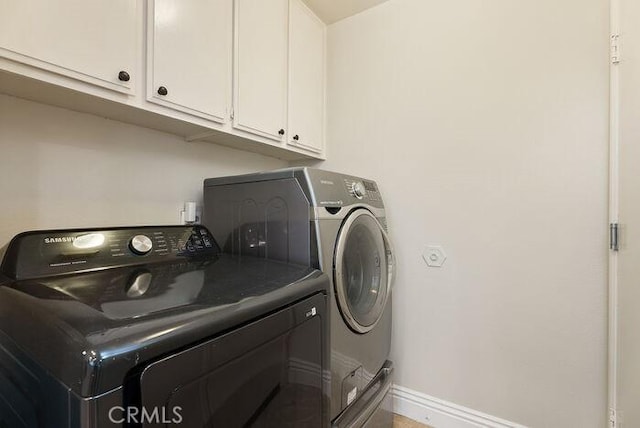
<point>357,190</point>
<point>140,244</point>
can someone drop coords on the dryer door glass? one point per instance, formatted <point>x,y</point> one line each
<point>363,265</point>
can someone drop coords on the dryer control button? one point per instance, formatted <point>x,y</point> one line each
<point>140,244</point>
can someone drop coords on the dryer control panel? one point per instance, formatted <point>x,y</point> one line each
<point>56,252</point>
<point>362,189</point>
<point>330,189</point>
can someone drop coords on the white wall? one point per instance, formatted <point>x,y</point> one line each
<point>61,169</point>
<point>485,124</point>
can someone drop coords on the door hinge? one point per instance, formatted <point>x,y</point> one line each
<point>615,48</point>
<point>614,236</point>
<point>613,418</point>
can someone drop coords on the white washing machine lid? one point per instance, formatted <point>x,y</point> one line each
<point>364,266</point>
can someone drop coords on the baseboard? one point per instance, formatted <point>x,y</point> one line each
<point>442,414</point>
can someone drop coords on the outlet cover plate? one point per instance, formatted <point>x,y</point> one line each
<point>434,256</point>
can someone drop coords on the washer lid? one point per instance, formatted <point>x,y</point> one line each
<point>363,270</point>
<point>90,329</point>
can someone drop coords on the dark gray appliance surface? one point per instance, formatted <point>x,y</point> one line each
<point>270,214</point>
<point>76,324</point>
<point>266,374</point>
<point>374,408</point>
<point>298,215</point>
<point>268,219</point>
<point>320,187</point>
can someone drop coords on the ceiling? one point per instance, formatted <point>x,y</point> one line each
<point>331,11</point>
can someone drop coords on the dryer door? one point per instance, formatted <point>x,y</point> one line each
<point>363,270</point>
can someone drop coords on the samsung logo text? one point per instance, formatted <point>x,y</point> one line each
<point>59,239</point>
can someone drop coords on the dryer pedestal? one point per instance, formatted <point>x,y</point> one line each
<point>374,408</point>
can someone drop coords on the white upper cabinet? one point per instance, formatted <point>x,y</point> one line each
<point>260,72</point>
<point>245,73</point>
<point>306,78</point>
<point>189,51</point>
<point>94,41</point>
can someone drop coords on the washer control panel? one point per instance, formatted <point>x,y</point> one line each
<point>56,252</point>
<point>140,244</point>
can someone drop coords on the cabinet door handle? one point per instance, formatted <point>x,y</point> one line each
<point>281,132</point>
<point>162,90</point>
<point>123,76</point>
<point>296,137</point>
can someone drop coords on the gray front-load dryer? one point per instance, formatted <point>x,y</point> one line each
<point>337,223</point>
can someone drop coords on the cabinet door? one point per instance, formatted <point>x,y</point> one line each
<point>306,78</point>
<point>89,40</point>
<point>260,86</point>
<point>189,55</point>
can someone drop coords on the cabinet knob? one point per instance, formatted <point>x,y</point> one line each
<point>123,76</point>
<point>296,137</point>
<point>281,132</point>
<point>162,90</point>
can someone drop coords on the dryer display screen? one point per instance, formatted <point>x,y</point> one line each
<point>369,186</point>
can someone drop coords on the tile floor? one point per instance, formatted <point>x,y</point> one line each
<point>402,422</point>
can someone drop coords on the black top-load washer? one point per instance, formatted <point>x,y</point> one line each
<point>153,326</point>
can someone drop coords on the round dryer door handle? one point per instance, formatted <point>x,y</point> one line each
<point>391,257</point>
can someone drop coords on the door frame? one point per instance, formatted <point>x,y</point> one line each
<point>614,200</point>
